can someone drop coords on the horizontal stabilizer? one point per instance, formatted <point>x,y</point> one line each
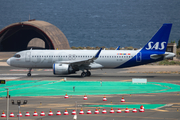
<point>167,55</point>
<point>155,56</point>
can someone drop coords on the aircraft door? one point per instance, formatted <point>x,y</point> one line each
<point>138,57</point>
<point>28,56</point>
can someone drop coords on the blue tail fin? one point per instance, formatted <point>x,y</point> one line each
<point>159,41</point>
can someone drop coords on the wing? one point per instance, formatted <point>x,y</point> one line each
<point>85,62</point>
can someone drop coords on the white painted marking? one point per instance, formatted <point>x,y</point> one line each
<point>11,74</point>
<point>20,70</point>
<point>48,70</point>
<point>9,77</point>
<point>167,105</point>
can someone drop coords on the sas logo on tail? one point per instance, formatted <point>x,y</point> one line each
<point>156,46</point>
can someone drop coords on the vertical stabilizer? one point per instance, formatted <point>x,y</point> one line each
<point>159,41</point>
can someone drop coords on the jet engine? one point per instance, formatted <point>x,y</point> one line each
<point>62,69</point>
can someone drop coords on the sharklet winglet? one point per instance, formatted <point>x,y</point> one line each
<point>97,54</point>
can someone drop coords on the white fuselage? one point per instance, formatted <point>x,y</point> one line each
<point>46,58</point>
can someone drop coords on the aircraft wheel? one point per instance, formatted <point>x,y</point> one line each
<point>83,74</point>
<point>28,74</point>
<point>88,73</point>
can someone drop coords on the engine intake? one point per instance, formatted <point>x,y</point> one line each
<point>62,69</point>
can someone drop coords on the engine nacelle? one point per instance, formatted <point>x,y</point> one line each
<point>62,69</point>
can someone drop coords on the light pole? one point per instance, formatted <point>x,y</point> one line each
<point>19,104</point>
<point>7,112</point>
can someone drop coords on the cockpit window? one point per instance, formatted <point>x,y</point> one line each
<point>17,56</point>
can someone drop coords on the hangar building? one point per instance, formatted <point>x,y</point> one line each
<point>36,33</point>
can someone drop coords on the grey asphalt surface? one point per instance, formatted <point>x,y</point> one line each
<point>57,103</point>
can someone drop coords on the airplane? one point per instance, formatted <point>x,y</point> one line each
<point>65,62</point>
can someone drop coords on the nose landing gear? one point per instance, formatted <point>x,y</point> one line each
<point>29,73</point>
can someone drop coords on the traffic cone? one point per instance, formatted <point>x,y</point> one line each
<point>127,110</point>
<point>96,111</point>
<point>58,113</point>
<point>11,114</point>
<point>27,114</point>
<point>35,113</point>
<point>85,97</point>
<point>81,112</point>
<point>66,96</point>
<point>122,99</point>
<point>119,110</point>
<point>104,98</point>
<point>73,112</point>
<point>42,113</point>
<point>3,114</point>
<point>66,112</point>
<point>19,115</point>
<point>134,110</point>
<point>50,113</point>
<point>104,111</point>
<point>111,111</point>
<point>89,112</point>
<point>141,108</point>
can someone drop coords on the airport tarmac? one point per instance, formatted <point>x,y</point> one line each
<point>157,105</point>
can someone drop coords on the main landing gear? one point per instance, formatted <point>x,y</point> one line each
<point>84,74</point>
<point>29,73</point>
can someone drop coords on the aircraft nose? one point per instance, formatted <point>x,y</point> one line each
<point>9,61</point>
